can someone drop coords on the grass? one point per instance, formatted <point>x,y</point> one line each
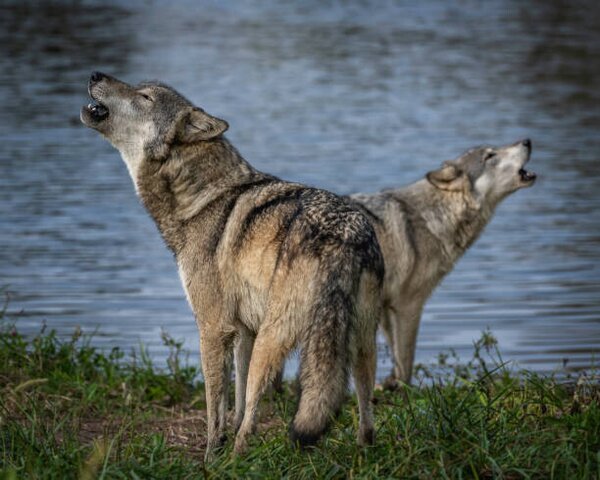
<point>68,410</point>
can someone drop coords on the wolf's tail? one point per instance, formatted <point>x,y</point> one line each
<point>324,365</point>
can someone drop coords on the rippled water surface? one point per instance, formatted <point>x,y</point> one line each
<point>351,98</point>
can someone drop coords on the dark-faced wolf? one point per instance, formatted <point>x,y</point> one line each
<point>267,265</point>
<point>424,228</point>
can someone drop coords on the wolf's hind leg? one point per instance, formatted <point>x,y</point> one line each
<point>387,327</point>
<point>364,379</point>
<point>267,358</point>
<point>243,352</point>
<point>364,361</point>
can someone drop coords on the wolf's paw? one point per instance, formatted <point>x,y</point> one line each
<point>366,437</point>
<point>214,447</point>
<point>240,448</point>
<point>241,444</point>
<point>391,384</point>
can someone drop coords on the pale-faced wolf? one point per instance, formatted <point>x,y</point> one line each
<point>266,264</point>
<point>424,228</point>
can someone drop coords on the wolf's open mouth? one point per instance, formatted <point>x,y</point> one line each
<point>97,110</point>
<point>527,176</point>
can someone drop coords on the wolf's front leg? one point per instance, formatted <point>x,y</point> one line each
<point>215,351</point>
<point>406,328</point>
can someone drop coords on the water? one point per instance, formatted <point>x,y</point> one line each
<point>349,96</point>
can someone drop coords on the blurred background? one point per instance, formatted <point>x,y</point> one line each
<point>349,96</point>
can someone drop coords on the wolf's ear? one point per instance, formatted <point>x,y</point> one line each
<point>198,125</point>
<point>450,177</point>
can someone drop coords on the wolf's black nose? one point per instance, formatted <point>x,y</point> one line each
<point>526,143</point>
<point>97,76</point>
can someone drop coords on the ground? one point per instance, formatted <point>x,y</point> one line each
<point>69,410</point>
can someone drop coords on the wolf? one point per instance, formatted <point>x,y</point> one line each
<point>425,227</point>
<point>267,265</point>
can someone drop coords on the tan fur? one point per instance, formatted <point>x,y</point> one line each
<point>424,228</point>
<point>267,265</point>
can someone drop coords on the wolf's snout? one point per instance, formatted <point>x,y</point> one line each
<point>95,77</point>
<point>526,177</point>
<point>95,112</point>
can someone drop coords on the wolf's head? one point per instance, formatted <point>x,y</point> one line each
<point>488,174</point>
<point>143,121</point>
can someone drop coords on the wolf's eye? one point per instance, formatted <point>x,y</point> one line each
<point>147,97</point>
<point>489,156</point>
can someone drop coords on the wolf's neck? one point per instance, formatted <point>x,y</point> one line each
<point>190,179</point>
<point>453,218</point>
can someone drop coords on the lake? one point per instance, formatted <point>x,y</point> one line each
<point>348,96</point>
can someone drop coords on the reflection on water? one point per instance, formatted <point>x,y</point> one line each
<point>351,98</point>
